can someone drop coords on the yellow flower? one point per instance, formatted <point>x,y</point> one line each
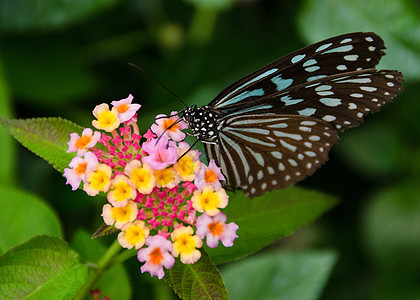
<point>122,190</point>
<point>166,178</point>
<point>142,177</point>
<point>209,201</point>
<point>107,119</point>
<point>98,180</point>
<point>186,244</point>
<point>187,166</point>
<point>119,215</point>
<point>133,235</point>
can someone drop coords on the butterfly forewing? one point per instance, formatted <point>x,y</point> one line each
<point>341,54</point>
<point>342,100</point>
<point>261,153</point>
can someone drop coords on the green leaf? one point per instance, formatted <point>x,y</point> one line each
<point>104,230</point>
<point>280,275</point>
<point>265,219</point>
<point>93,250</point>
<point>23,216</point>
<point>201,280</point>
<point>6,142</point>
<point>37,15</point>
<point>396,21</point>
<point>42,268</point>
<point>46,137</point>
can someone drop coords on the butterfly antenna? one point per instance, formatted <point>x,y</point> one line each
<point>189,149</point>
<point>158,81</point>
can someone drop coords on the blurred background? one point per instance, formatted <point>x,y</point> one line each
<point>61,58</point>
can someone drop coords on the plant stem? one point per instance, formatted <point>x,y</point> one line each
<point>97,270</point>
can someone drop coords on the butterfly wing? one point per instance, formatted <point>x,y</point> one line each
<point>259,153</point>
<point>342,100</point>
<point>340,54</point>
<point>276,126</point>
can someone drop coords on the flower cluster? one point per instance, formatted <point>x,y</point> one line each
<point>161,197</point>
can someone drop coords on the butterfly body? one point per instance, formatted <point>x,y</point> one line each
<point>276,126</point>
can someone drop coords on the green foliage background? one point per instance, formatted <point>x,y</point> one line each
<point>61,58</point>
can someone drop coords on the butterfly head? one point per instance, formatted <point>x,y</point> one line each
<point>203,122</point>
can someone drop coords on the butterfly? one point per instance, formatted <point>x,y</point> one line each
<point>276,126</point>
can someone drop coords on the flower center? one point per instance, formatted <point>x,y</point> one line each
<point>81,168</point>
<point>209,200</point>
<point>156,256</point>
<point>82,142</point>
<point>210,176</point>
<point>168,123</point>
<point>122,108</point>
<point>120,213</point>
<point>216,228</point>
<point>106,119</point>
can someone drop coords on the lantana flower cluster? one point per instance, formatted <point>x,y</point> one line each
<point>163,200</point>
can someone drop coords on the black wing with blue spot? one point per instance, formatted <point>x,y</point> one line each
<point>341,54</point>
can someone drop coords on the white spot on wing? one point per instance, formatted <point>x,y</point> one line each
<point>352,106</point>
<point>292,162</point>
<point>312,78</point>
<point>352,57</point>
<point>312,69</point>
<point>307,111</point>
<point>314,138</point>
<point>346,48</point>
<point>332,102</point>
<point>297,58</point>
<point>305,129</point>
<point>347,40</point>
<point>323,47</point>
<point>323,87</point>
<point>281,83</point>
<point>329,118</point>
<point>354,80</point>
<point>277,154</point>
<point>289,101</point>
<point>368,88</point>
<point>309,62</point>
<point>308,123</point>
<point>288,146</point>
<point>296,137</point>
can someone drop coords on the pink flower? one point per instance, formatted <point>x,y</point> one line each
<point>156,256</point>
<point>78,168</point>
<point>215,229</point>
<point>125,109</point>
<point>209,176</point>
<point>170,127</point>
<point>160,156</point>
<point>149,135</point>
<point>83,143</point>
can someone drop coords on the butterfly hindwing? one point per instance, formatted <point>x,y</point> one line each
<point>262,153</point>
